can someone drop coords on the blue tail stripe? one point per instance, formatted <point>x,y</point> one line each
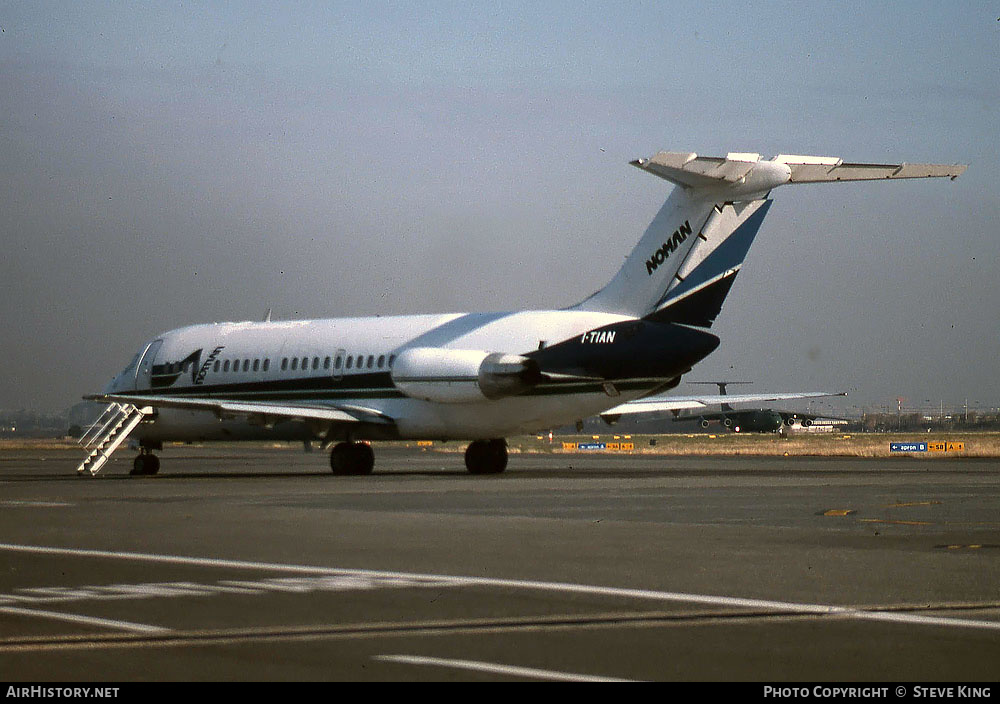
<point>729,254</point>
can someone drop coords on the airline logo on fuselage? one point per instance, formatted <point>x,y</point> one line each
<point>199,378</point>
<point>667,248</point>
<point>168,373</point>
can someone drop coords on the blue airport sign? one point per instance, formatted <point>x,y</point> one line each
<point>907,447</point>
<point>591,446</point>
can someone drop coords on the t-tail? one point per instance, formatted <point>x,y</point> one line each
<point>722,389</point>
<point>687,260</point>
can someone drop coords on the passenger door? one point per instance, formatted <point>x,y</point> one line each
<point>338,365</point>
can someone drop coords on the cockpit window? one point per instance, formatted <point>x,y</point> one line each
<point>130,369</point>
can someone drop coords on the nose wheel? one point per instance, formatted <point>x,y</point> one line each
<point>145,464</point>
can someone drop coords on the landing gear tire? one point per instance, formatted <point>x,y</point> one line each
<point>352,458</point>
<point>145,465</point>
<point>486,456</point>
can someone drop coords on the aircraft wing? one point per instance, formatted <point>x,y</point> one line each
<point>658,405</point>
<point>260,411</point>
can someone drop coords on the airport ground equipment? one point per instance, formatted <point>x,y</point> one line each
<point>109,431</point>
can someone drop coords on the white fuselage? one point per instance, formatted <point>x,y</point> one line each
<point>345,362</point>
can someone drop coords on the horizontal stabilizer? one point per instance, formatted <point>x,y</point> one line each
<point>689,169</point>
<point>817,169</point>
<point>740,170</point>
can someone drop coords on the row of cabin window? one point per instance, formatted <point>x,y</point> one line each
<point>257,366</point>
<point>339,361</point>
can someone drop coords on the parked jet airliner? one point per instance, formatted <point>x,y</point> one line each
<point>474,376</point>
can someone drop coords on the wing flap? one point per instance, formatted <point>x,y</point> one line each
<point>254,409</point>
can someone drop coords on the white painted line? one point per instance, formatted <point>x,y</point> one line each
<point>29,596</point>
<point>170,559</point>
<point>898,617</point>
<point>42,504</point>
<point>495,669</point>
<point>88,620</point>
<point>559,587</point>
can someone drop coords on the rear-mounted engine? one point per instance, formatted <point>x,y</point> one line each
<point>462,376</point>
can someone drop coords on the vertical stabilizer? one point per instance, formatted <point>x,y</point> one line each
<point>722,389</point>
<point>687,260</point>
<point>651,267</point>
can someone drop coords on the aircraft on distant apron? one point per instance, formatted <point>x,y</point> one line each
<point>750,420</point>
<point>473,376</point>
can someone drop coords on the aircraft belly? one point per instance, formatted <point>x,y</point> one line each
<point>493,419</point>
<point>175,425</point>
<point>414,419</point>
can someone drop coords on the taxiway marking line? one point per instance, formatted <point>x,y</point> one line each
<point>87,620</point>
<point>559,587</point>
<point>36,504</point>
<point>890,617</point>
<point>175,559</point>
<point>497,669</point>
<point>353,631</point>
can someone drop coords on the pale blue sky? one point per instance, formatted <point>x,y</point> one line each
<point>171,163</point>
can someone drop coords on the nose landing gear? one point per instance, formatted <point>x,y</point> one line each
<point>145,464</point>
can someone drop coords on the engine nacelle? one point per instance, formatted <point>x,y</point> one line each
<point>462,376</point>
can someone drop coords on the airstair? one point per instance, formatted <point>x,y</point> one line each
<point>108,432</point>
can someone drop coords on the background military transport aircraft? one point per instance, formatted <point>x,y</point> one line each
<point>750,420</point>
<point>473,376</point>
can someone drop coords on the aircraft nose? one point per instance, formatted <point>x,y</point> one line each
<point>118,382</point>
<point>125,380</point>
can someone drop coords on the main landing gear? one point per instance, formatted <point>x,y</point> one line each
<point>145,464</point>
<point>486,456</point>
<point>352,458</point>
